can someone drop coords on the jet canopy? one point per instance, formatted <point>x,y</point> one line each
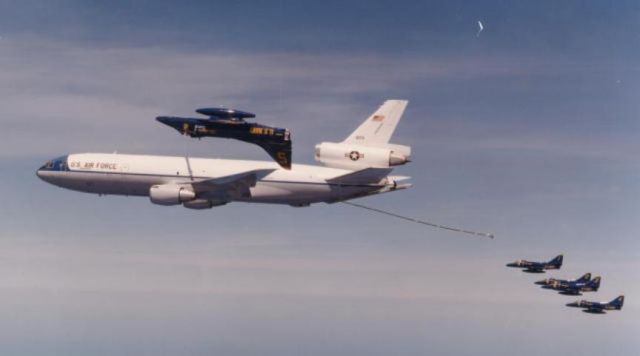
<point>224,113</point>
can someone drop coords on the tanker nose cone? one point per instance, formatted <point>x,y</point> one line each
<point>52,169</point>
<point>44,169</point>
<point>44,174</point>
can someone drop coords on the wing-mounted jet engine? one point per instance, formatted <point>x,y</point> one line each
<point>228,123</point>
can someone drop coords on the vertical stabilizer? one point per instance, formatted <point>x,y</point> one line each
<point>618,302</point>
<point>556,262</point>
<point>379,127</point>
<point>585,278</point>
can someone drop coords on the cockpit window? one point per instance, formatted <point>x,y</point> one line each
<point>57,164</point>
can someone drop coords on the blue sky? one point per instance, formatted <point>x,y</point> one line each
<point>529,131</point>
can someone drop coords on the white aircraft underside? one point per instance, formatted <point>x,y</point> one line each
<point>361,166</point>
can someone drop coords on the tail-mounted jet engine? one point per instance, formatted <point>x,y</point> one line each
<point>350,156</point>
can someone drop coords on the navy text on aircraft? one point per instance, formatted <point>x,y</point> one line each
<point>598,307</point>
<point>227,123</point>
<point>537,267</point>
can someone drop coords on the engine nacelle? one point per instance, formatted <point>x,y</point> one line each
<point>200,204</point>
<point>350,156</point>
<point>170,194</point>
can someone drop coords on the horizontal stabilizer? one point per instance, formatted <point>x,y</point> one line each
<point>363,176</point>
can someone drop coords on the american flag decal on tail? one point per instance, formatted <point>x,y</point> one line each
<point>377,118</point>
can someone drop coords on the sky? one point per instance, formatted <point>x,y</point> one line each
<point>528,131</point>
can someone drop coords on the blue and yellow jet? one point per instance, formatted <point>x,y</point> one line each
<point>598,307</point>
<point>229,123</point>
<point>545,282</point>
<point>575,287</point>
<point>537,267</point>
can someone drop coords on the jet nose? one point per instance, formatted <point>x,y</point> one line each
<point>170,121</point>
<point>541,283</point>
<point>165,120</point>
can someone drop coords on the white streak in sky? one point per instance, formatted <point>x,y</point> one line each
<point>480,28</point>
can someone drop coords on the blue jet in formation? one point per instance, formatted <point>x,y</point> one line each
<point>575,287</point>
<point>537,267</point>
<point>228,123</point>
<point>545,282</point>
<point>598,307</point>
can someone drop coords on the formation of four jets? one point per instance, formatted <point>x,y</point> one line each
<point>570,287</point>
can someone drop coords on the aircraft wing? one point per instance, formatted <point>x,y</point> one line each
<point>228,187</point>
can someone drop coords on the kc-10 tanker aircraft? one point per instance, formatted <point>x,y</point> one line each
<point>356,167</point>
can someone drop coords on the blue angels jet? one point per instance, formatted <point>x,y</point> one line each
<point>545,282</point>
<point>598,307</point>
<point>575,287</point>
<point>228,123</point>
<point>537,267</point>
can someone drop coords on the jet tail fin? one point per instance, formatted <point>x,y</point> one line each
<point>377,129</point>
<point>595,283</point>
<point>557,261</point>
<point>280,152</point>
<point>618,302</point>
<point>585,278</point>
